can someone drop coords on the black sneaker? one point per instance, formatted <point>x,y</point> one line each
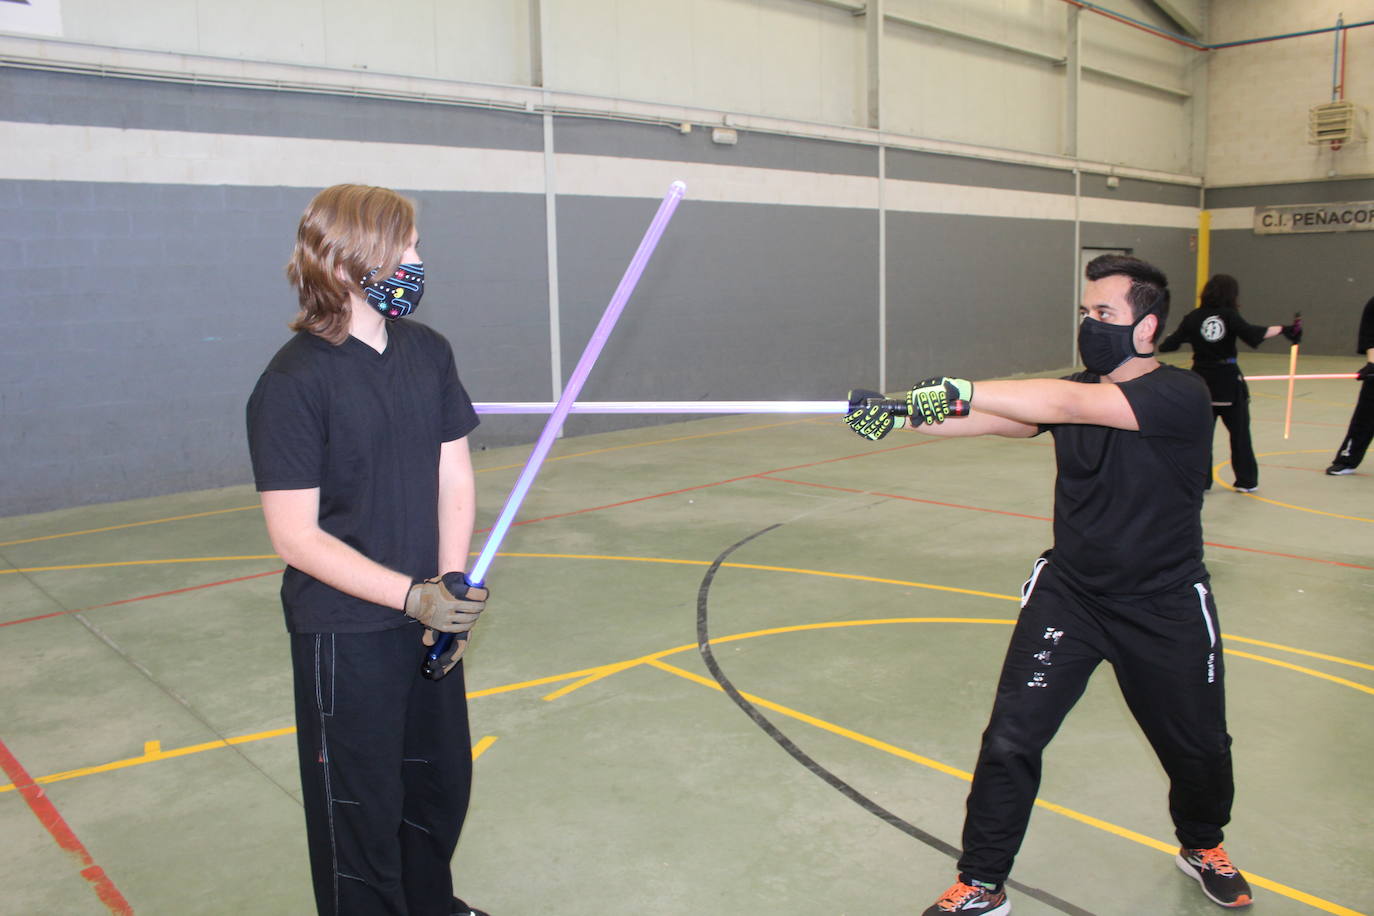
<point>1239,489</point>
<point>1221,881</point>
<point>462,909</point>
<point>977,898</point>
<point>1340,470</point>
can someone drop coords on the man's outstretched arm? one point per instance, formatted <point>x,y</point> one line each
<point>1016,409</point>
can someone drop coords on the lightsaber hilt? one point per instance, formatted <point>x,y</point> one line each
<point>432,667</point>
<point>895,406</point>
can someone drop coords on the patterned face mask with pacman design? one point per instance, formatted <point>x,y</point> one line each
<point>398,294</point>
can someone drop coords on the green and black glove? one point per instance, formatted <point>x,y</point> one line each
<point>935,399</point>
<point>873,416</point>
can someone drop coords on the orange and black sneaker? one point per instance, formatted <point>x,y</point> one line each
<point>1221,881</point>
<point>977,897</point>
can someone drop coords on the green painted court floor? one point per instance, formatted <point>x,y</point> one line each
<point>146,715</point>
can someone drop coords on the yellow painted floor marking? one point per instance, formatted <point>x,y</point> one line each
<point>481,747</point>
<point>1087,819</point>
<point>152,521</point>
<point>1282,648</point>
<point>33,569</point>
<point>152,751</point>
<point>1299,668</point>
<point>822,724</point>
<point>1274,502</point>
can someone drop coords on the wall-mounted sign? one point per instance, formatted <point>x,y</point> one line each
<point>1347,217</point>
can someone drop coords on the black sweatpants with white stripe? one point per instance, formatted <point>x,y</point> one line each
<point>1166,651</point>
<point>386,772</point>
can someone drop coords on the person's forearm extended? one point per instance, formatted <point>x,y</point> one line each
<point>323,556</point>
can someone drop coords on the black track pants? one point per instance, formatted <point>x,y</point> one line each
<point>1361,431</point>
<point>1237,419</point>
<point>386,770</point>
<point>1166,651</point>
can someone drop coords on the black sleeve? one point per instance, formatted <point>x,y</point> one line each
<point>1252,334</point>
<point>286,434</point>
<point>459,416</point>
<point>1176,339</point>
<point>1365,341</point>
<point>1170,402</point>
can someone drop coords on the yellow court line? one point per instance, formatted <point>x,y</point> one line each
<point>1282,648</point>
<point>1087,819</point>
<point>504,467</point>
<point>33,569</point>
<point>153,521</point>
<point>153,752</point>
<point>593,674</point>
<point>1274,502</point>
<point>1282,664</point>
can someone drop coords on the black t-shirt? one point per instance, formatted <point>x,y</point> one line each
<point>1212,333</point>
<point>1365,339</point>
<point>365,428</point>
<point>1128,503</point>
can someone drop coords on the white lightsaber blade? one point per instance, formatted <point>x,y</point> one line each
<point>659,407</point>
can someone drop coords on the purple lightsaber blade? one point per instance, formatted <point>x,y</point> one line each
<point>661,407</point>
<point>477,575</point>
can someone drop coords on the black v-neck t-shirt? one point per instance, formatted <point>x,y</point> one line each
<point>365,428</point>
<point>1128,503</point>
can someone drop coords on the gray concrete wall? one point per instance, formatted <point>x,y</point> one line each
<point>141,311</point>
<point>1328,276</point>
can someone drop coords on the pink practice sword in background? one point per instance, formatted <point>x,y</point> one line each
<point>433,668</point>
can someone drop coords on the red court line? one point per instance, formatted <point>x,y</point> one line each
<point>52,820</point>
<point>175,591</point>
<point>1041,518</point>
<point>718,483</point>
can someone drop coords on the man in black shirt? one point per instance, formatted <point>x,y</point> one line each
<point>1124,582</point>
<point>1211,330</point>
<point>1357,438</point>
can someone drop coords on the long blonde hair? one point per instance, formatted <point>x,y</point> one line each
<point>345,232</point>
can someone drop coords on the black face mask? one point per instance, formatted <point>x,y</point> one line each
<point>1105,347</point>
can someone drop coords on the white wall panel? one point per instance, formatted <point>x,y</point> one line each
<point>947,88</point>
<point>788,59</point>
<point>483,40</point>
<point>1125,125</point>
<point>1259,95</point>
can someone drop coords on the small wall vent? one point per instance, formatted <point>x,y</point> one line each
<point>1332,122</point>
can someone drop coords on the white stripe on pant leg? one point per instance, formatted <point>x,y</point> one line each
<point>323,760</point>
<point>1206,617</point>
<point>1029,585</point>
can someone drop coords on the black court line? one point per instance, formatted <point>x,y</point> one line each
<point>786,743</point>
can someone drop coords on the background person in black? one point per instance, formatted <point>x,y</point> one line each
<point>357,431</point>
<point>1124,582</point>
<point>1361,431</point>
<point>1211,330</point>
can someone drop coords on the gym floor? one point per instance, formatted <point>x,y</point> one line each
<point>859,597</point>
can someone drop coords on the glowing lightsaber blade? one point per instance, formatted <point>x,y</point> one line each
<point>1284,378</point>
<point>1292,374</point>
<point>657,407</point>
<point>477,575</point>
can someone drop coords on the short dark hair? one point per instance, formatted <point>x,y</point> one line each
<point>1221,292</point>
<point>1149,290</point>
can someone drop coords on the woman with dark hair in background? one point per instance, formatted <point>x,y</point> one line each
<point>1212,329</point>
